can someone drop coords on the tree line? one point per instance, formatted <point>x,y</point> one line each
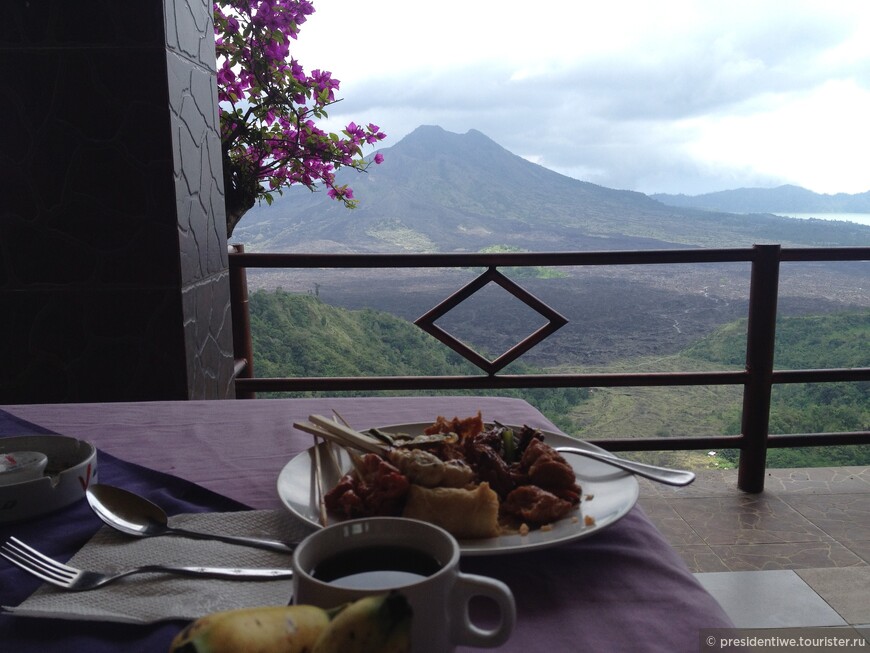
<point>300,335</point>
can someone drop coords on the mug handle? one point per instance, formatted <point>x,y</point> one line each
<point>465,632</point>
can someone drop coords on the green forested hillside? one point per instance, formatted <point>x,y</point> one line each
<point>299,335</point>
<point>806,342</point>
<point>816,341</point>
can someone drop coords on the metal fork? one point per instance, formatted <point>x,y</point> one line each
<point>71,578</point>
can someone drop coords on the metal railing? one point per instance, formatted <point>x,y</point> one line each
<point>757,378</point>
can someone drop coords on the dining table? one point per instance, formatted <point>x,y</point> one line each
<point>622,588</point>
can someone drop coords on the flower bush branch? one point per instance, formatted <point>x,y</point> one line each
<point>268,107</point>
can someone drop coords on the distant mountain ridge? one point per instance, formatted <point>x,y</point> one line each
<point>439,191</point>
<point>783,199</point>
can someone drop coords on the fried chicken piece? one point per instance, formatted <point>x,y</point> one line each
<point>375,488</point>
<point>535,505</point>
<point>467,427</point>
<point>547,468</point>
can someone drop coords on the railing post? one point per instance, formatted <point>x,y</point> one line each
<point>760,340</point>
<point>243,349</point>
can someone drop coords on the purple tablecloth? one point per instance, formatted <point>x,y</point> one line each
<point>624,589</point>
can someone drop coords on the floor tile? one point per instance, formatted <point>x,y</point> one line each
<point>813,523</point>
<point>769,599</point>
<point>700,558</point>
<point>707,483</point>
<point>675,529</point>
<point>845,590</point>
<point>859,548</point>
<point>812,480</point>
<point>746,519</point>
<point>842,516</point>
<point>790,555</point>
<point>818,480</point>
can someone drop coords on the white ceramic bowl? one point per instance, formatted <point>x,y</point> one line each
<point>18,466</point>
<point>71,465</point>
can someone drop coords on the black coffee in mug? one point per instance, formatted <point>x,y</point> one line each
<point>418,559</point>
<point>376,567</point>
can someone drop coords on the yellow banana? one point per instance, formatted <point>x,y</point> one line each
<point>374,624</point>
<point>279,629</point>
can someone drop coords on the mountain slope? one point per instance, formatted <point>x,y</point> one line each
<point>783,199</point>
<point>333,341</point>
<point>439,191</point>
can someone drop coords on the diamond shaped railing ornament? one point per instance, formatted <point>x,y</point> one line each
<point>555,321</point>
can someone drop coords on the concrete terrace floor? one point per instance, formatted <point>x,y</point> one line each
<point>795,555</point>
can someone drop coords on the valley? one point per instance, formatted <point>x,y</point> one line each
<point>623,313</point>
<point>302,335</point>
<point>444,192</point>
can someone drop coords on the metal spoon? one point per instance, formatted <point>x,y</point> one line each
<point>137,516</point>
<point>664,475</point>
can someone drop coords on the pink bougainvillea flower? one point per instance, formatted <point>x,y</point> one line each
<point>270,109</point>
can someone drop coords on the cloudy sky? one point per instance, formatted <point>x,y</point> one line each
<point>675,96</point>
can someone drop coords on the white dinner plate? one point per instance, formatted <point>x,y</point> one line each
<point>607,494</point>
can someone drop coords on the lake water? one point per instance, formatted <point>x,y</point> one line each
<point>860,218</point>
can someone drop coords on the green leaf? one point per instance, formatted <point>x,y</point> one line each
<point>510,446</point>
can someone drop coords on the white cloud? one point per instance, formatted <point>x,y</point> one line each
<point>820,140</point>
<point>674,96</point>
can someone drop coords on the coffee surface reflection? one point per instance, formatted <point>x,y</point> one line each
<point>376,567</point>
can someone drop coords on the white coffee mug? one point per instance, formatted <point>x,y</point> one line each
<point>375,555</point>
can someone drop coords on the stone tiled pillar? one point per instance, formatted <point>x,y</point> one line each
<point>113,257</point>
